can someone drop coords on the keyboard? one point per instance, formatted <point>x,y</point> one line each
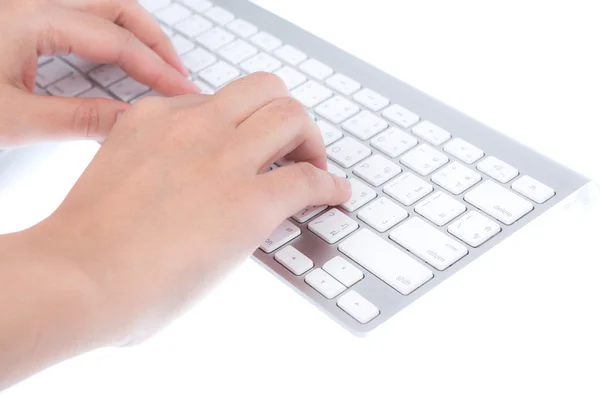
<point>433,189</point>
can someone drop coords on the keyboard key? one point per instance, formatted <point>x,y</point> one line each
<point>308,213</point>
<point>394,142</point>
<point>96,93</point>
<point>181,44</point>
<point>423,159</point>
<point>337,109</point>
<point>39,91</point>
<point>198,59</point>
<point>372,100</point>
<point>336,171</point>
<point>294,260</point>
<point>434,247</point>
<point>290,77</point>
<point>167,30</point>
<point>316,69</point>
<point>333,226</point>
<point>128,89</point>
<point>284,233</point>
<point>499,202</point>
<point>291,55</point>
<point>400,116</point>
<point>154,5</point>
<point>408,188</point>
<point>358,307</point>
<point>219,15</point>
<point>70,86</point>
<point>107,75</point>
<point>193,26</point>
<point>386,261</point>
<point>261,62</point>
<point>440,208</point>
<point>204,87</point>
<point>44,59</point>
<point>215,38</point>
<point>172,14</point>
<point>382,214</point>
<point>497,169</point>
<point>311,93</point>
<point>242,28</point>
<point>329,133</point>
<point>219,74</point>
<point>237,51</point>
<point>343,271</point>
<point>365,125</point>
<point>52,72</point>
<point>198,5</point>
<point>342,84</point>
<point>533,189</point>
<point>347,152</point>
<point>266,41</point>
<point>85,66</point>
<point>456,178</point>
<point>474,229</point>
<point>464,151</point>
<point>377,170</point>
<point>431,133</point>
<point>361,195</point>
<point>324,283</point>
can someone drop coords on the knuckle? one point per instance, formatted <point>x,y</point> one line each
<point>269,81</point>
<point>86,118</point>
<point>290,108</point>
<point>307,173</point>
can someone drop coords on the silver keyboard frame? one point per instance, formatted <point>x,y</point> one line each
<point>562,179</point>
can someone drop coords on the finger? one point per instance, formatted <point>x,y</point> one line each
<point>281,129</point>
<point>132,16</point>
<point>101,41</point>
<point>190,100</point>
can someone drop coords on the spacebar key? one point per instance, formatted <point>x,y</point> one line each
<point>385,261</point>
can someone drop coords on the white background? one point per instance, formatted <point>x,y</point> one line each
<point>522,320</point>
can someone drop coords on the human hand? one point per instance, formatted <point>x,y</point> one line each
<point>101,31</point>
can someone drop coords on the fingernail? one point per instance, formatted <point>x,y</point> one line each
<point>346,186</point>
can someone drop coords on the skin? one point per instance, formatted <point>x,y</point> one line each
<point>177,196</point>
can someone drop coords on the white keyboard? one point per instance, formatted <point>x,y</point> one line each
<point>432,189</point>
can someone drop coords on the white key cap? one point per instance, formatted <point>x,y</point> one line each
<point>382,214</point>
<point>107,75</point>
<point>44,59</point>
<point>198,5</point>
<point>498,202</point>
<point>428,243</point>
<point>215,38</point>
<point>198,59</point>
<point>193,26</point>
<point>533,189</point>
<point>372,100</point>
<point>440,208</point>
<point>361,195</point>
<point>474,229</point>
<point>497,169</point>
<point>181,44</point>
<point>204,87</point>
<point>347,152</point>
<point>39,91</point>
<point>336,171</point>
<point>423,159</point>
<point>154,5</point>
<point>343,271</point>
<point>172,14</point>
<point>464,151</point>
<point>324,283</point>
<point>219,74</point>
<point>337,109</point>
<point>386,261</point>
<point>311,93</point>
<point>345,85</point>
<point>261,62</point>
<point>329,133</point>
<point>408,188</point>
<point>394,142</point>
<point>291,55</point>
<point>167,30</point>
<point>400,116</point>
<point>96,93</point>
<point>128,89</point>
<point>456,178</point>
<point>365,125</point>
<point>377,170</point>
<point>358,307</point>
<point>431,133</point>
<point>333,226</point>
<point>73,85</point>
<point>293,260</point>
<point>52,72</point>
<point>266,41</point>
<point>85,66</point>
<point>237,51</point>
<point>316,69</point>
<point>219,15</point>
<point>308,213</point>
<point>291,77</point>
<point>284,233</point>
<point>242,28</point>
